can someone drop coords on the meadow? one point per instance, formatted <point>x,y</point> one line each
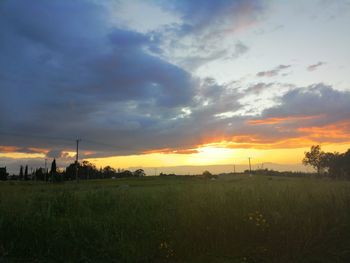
<point>176,219</point>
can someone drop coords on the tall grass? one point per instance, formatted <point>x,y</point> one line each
<point>238,219</point>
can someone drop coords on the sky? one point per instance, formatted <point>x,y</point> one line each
<point>165,83</point>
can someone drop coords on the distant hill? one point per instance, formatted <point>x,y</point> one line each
<point>225,168</point>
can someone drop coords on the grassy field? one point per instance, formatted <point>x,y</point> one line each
<point>237,219</point>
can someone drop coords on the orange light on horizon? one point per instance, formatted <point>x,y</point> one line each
<point>218,148</point>
<point>20,155</point>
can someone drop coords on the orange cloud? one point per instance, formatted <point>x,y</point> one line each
<point>171,151</point>
<point>305,136</point>
<point>302,137</point>
<point>38,150</point>
<point>8,149</point>
<point>12,149</point>
<point>277,120</point>
<point>15,152</point>
<point>263,143</point>
<point>339,130</point>
<point>87,153</point>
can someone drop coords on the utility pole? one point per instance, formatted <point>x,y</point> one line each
<point>250,167</point>
<point>155,171</point>
<point>76,161</point>
<point>234,169</point>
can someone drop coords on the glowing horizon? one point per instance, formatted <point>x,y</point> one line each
<point>203,156</point>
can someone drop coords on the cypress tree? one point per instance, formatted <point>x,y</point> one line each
<point>26,173</point>
<point>21,173</point>
<point>53,170</point>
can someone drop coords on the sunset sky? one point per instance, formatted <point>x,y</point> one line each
<point>162,83</point>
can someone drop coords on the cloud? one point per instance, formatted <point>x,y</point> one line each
<point>57,154</point>
<point>239,50</point>
<point>205,32</point>
<point>70,73</point>
<point>313,114</point>
<point>258,87</point>
<point>301,117</point>
<point>196,60</point>
<point>8,149</point>
<point>313,100</point>
<point>211,14</point>
<point>172,151</point>
<point>315,66</point>
<point>279,120</point>
<point>67,73</point>
<point>272,72</point>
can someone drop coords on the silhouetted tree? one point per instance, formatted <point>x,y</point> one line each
<point>314,158</point>
<point>165,175</point>
<point>346,164</point>
<point>331,162</point>
<point>40,174</point>
<point>335,165</point>
<point>108,172</point>
<point>139,173</point>
<point>26,173</point>
<point>53,167</point>
<point>208,174</point>
<point>125,173</point>
<point>70,171</point>
<point>53,172</point>
<point>21,173</point>
<point>86,170</point>
<point>3,174</point>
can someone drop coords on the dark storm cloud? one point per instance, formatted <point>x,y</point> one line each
<point>66,72</point>
<point>273,72</point>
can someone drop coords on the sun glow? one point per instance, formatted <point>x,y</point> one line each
<point>212,155</point>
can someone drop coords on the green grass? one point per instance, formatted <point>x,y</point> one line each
<point>235,219</point>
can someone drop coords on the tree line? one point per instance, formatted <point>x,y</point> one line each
<point>84,170</point>
<point>327,164</point>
